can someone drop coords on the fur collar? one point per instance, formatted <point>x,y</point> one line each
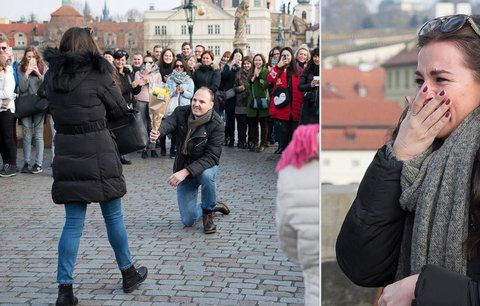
<point>72,62</point>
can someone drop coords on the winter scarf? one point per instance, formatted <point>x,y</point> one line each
<point>193,124</point>
<point>436,191</point>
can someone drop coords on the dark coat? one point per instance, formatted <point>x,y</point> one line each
<point>208,76</point>
<point>204,146</point>
<point>368,245</point>
<point>228,77</point>
<point>82,95</point>
<point>311,96</point>
<point>126,85</point>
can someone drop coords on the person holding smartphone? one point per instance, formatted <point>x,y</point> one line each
<point>285,76</point>
<point>147,77</point>
<point>31,72</point>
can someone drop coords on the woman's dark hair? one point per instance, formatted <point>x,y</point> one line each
<point>315,52</point>
<point>252,70</point>
<point>184,63</point>
<point>292,67</point>
<point>235,51</point>
<point>120,53</point>
<point>270,54</point>
<point>24,62</point>
<point>78,40</point>
<point>163,53</point>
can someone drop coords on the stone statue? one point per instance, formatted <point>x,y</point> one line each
<point>240,24</point>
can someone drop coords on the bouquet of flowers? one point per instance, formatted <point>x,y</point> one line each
<point>159,100</point>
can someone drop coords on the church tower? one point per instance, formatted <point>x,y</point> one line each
<point>304,10</point>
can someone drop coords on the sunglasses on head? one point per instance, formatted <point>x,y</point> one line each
<point>448,24</point>
<point>178,66</point>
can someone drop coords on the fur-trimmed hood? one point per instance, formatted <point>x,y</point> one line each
<point>212,66</point>
<point>68,69</point>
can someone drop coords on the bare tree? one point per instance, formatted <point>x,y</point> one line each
<point>134,15</point>
<point>32,18</point>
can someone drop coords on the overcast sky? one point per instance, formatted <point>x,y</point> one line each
<point>14,9</point>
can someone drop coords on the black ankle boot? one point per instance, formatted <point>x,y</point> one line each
<point>132,278</point>
<point>65,296</point>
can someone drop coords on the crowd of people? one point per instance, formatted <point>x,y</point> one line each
<point>245,89</point>
<point>249,101</point>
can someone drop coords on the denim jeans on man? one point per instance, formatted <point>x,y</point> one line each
<point>187,192</point>
<point>72,231</point>
<point>33,125</point>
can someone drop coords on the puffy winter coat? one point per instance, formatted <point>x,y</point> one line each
<point>82,95</point>
<point>298,222</point>
<point>368,245</point>
<point>278,77</point>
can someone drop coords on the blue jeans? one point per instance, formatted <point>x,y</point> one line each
<point>187,192</point>
<point>33,125</point>
<point>72,231</point>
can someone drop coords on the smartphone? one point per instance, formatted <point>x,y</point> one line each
<point>284,57</point>
<point>32,62</point>
<point>316,78</point>
<point>9,51</point>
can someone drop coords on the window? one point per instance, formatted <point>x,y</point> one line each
<point>217,50</point>
<point>109,40</point>
<point>355,163</point>
<point>249,29</point>
<point>157,30</point>
<point>235,3</point>
<point>210,29</point>
<point>304,15</point>
<point>20,39</point>
<point>130,40</point>
<point>210,48</point>
<point>389,79</point>
<point>397,78</point>
<point>164,30</point>
<point>217,29</point>
<point>184,29</point>
<point>408,78</point>
<point>257,3</point>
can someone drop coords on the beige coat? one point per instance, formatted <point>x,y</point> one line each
<point>298,222</point>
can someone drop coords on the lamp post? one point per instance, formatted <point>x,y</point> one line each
<point>190,12</point>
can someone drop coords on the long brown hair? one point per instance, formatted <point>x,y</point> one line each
<point>24,62</point>
<point>78,40</point>
<point>468,43</point>
<point>252,70</point>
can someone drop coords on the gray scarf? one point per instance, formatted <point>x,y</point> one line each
<point>193,124</point>
<point>436,191</point>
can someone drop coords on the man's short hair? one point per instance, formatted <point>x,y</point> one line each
<point>212,96</point>
<point>157,46</point>
<point>186,44</point>
<point>201,46</point>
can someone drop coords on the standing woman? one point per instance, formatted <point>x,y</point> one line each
<point>147,77</point>
<point>181,90</point>
<point>128,86</point>
<point>8,147</point>
<point>208,74</point>
<point>229,73</point>
<point>302,56</point>
<point>30,73</point>
<point>243,92</point>
<point>309,85</point>
<point>273,128</point>
<point>86,168</point>
<point>285,76</point>
<point>257,80</point>
<point>191,63</point>
<point>166,63</point>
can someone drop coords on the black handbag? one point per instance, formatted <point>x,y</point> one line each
<point>283,96</point>
<point>130,132</point>
<point>258,103</point>
<point>29,105</point>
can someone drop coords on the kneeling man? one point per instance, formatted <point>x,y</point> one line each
<point>200,136</point>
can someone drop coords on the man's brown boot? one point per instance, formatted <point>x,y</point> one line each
<point>208,226</point>
<point>221,207</point>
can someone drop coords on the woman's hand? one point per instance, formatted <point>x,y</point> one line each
<point>400,293</point>
<point>426,116</point>
<point>154,136</point>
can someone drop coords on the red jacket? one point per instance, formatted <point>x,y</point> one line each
<point>295,105</point>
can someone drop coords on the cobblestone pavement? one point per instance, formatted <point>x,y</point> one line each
<point>239,265</point>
